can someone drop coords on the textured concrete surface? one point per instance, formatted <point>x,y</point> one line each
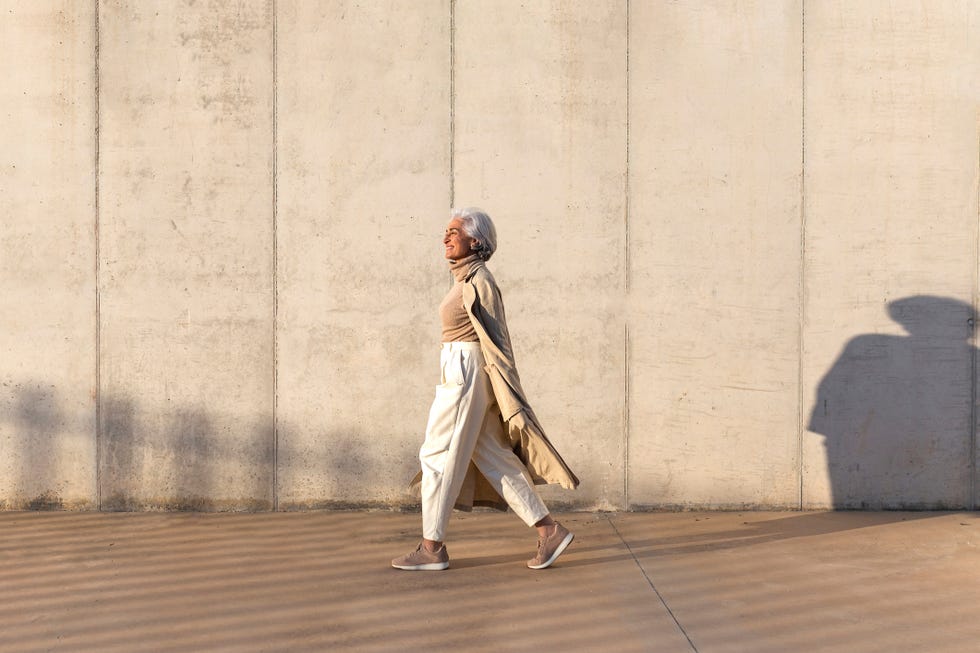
<point>47,256</point>
<point>738,244</point>
<point>540,142</point>
<point>715,229</point>
<point>316,581</point>
<point>891,209</point>
<point>186,255</point>
<point>363,185</point>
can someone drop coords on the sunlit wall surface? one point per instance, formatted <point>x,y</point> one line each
<point>737,245</point>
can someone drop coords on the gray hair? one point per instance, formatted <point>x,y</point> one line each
<point>479,226</point>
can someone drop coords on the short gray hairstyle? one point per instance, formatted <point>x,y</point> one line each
<point>479,226</point>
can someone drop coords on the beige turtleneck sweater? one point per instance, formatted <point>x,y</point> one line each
<point>456,325</point>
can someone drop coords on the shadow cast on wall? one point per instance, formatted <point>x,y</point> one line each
<point>896,412</point>
<point>36,420</point>
<point>180,458</point>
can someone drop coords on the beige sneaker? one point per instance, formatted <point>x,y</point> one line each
<point>421,559</point>
<point>549,548</point>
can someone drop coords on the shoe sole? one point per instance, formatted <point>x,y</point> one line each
<point>429,566</point>
<point>558,551</point>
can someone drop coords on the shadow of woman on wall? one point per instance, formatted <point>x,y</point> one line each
<point>896,411</point>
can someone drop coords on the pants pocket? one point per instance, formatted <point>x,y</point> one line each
<point>456,374</point>
<point>453,368</point>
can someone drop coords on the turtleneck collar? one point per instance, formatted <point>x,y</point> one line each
<point>461,268</point>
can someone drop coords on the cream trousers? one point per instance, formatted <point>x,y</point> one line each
<point>464,425</point>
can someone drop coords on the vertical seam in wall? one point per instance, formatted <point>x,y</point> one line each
<point>450,280</point>
<point>802,280</point>
<point>98,277</point>
<point>972,500</point>
<point>275,257</point>
<point>626,275</point>
<point>452,103</point>
<point>626,419</point>
<point>626,282</point>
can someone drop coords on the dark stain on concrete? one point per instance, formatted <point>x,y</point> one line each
<point>46,501</point>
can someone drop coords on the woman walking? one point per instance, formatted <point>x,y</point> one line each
<point>483,444</point>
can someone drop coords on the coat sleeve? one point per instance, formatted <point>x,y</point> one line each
<point>488,310</point>
<point>526,436</point>
<point>507,399</point>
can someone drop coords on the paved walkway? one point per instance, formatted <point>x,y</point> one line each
<point>320,581</point>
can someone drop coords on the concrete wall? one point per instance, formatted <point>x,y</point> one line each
<point>715,229</point>
<point>889,366</point>
<point>738,246</point>
<point>48,246</point>
<point>363,169</point>
<point>540,141</point>
<point>186,255</point>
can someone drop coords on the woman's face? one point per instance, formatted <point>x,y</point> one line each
<point>458,244</point>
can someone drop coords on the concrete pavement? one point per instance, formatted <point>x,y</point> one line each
<point>320,581</point>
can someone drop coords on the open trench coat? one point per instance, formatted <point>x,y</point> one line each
<point>485,307</point>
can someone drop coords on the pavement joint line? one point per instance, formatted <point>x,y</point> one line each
<point>651,584</point>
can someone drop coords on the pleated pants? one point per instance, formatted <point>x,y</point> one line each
<point>464,424</point>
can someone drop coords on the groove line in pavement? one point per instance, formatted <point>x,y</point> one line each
<point>652,586</point>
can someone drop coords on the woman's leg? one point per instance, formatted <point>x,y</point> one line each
<point>504,470</point>
<point>455,420</point>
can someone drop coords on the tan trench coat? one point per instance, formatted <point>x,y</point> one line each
<point>483,303</point>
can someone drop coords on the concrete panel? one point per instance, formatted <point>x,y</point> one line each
<point>714,242</point>
<point>186,255</point>
<point>891,212</point>
<point>661,257</point>
<point>363,192</point>
<point>47,255</point>
<point>540,144</point>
